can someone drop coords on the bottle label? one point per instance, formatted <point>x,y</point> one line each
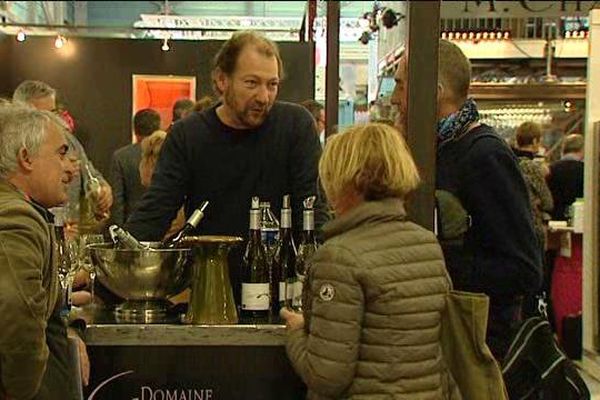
<point>269,236</point>
<point>283,287</point>
<point>255,296</point>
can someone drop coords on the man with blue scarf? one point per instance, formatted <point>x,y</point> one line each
<point>498,255</point>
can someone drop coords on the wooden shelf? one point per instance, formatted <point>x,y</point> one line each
<point>550,91</point>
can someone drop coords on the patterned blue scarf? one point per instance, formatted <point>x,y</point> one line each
<point>456,124</point>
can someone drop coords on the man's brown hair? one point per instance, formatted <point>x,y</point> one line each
<point>227,56</point>
<point>454,70</point>
<point>527,133</point>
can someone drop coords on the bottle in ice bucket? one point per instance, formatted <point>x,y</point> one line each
<point>306,249</point>
<point>125,240</point>
<point>190,225</point>
<point>255,273</point>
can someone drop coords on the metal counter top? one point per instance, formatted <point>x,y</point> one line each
<point>184,335</point>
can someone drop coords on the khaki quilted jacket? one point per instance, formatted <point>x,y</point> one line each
<point>373,302</point>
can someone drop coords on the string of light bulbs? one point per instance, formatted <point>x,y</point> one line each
<point>60,41</point>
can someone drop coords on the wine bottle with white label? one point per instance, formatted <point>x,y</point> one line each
<point>256,293</point>
<point>284,260</point>
<point>306,249</point>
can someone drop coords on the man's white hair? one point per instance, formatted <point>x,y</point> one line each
<point>22,127</point>
<point>30,90</point>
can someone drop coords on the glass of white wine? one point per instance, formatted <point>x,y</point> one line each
<point>85,259</point>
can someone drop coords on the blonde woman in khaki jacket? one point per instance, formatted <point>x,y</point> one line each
<point>376,288</point>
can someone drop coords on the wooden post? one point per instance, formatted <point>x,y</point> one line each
<point>332,70</point>
<point>422,45</point>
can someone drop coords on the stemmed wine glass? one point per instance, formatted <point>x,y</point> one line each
<point>67,269</point>
<point>85,258</point>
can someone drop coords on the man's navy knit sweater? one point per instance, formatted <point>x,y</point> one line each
<point>204,159</point>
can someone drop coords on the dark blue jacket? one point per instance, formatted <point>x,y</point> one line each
<point>501,256</point>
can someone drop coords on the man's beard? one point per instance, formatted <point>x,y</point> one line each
<point>244,116</point>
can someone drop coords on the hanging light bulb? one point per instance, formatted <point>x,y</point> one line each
<point>165,45</point>
<point>21,36</point>
<point>60,41</point>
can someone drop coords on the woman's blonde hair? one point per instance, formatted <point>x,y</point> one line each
<point>371,160</point>
<point>151,146</point>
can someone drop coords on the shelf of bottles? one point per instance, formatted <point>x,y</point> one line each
<point>506,118</point>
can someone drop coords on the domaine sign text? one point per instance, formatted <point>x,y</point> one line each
<point>148,393</point>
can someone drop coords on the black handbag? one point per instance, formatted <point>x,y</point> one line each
<point>536,367</point>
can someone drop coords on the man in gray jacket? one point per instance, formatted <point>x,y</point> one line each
<point>34,175</point>
<point>125,167</point>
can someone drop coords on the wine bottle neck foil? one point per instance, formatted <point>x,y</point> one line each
<point>308,220</point>
<point>286,218</point>
<point>255,219</point>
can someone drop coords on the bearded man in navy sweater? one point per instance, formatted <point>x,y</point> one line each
<point>247,145</point>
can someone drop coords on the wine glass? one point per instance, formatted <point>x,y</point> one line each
<point>85,258</point>
<point>68,267</point>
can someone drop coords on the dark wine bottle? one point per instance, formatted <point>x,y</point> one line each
<point>173,241</point>
<point>306,249</point>
<point>255,274</point>
<point>284,261</point>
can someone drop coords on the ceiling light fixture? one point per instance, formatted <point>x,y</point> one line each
<point>60,41</point>
<point>21,36</point>
<point>165,45</point>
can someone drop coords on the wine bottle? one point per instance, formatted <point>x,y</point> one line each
<point>191,224</point>
<point>92,188</point>
<point>284,260</point>
<point>269,228</point>
<point>306,249</point>
<point>125,240</point>
<point>255,274</point>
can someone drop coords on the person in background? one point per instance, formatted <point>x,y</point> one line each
<point>566,176</point>
<point>150,150</point>
<point>566,184</point>
<point>528,139</point>
<point>124,170</point>
<point>317,110</point>
<point>182,108</point>
<point>203,103</point>
<point>377,287</point>
<point>498,255</point>
<point>43,97</point>
<point>246,145</point>
<point>35,173</point>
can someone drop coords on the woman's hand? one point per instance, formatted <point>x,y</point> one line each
<point>293,320</point>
